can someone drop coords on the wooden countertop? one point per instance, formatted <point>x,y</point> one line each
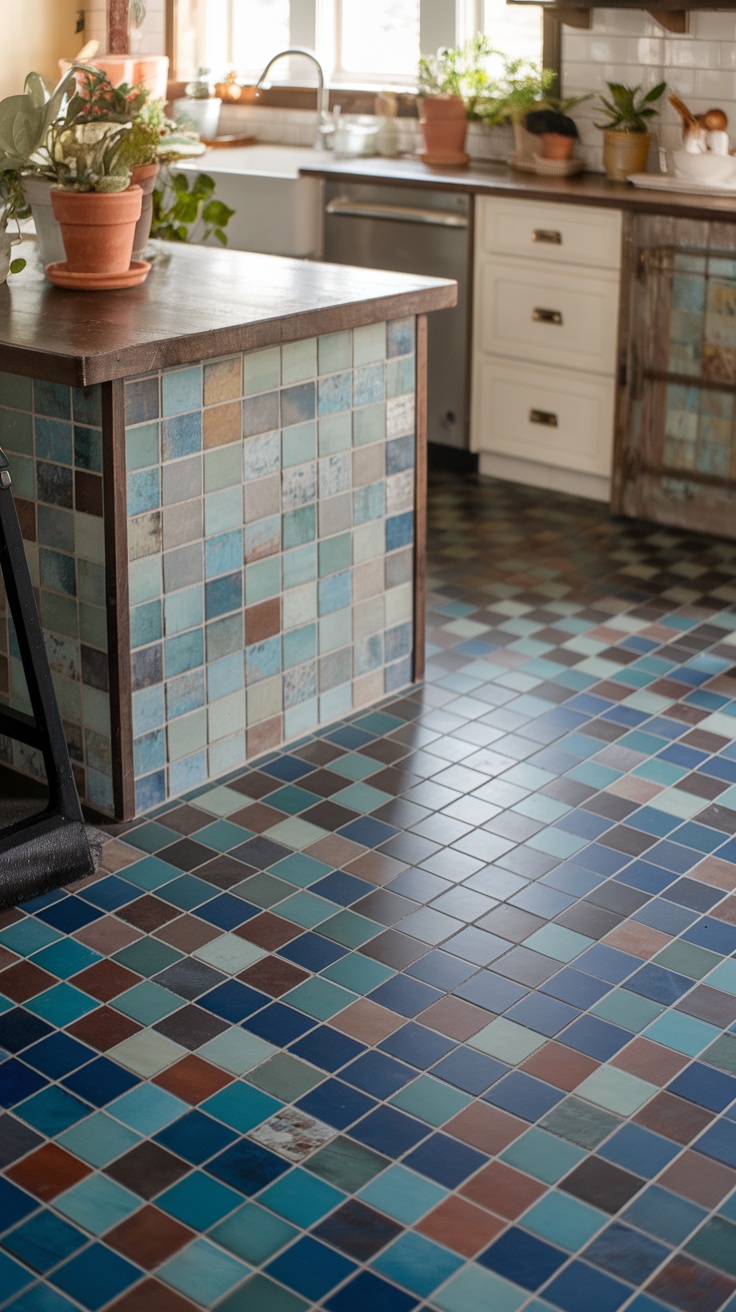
<point>197,303</point>
<point>500,180</point>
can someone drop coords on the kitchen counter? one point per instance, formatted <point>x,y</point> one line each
<point>499,179</point>
<point>220,481</point>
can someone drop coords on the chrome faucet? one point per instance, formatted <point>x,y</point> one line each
<point>323,125</point>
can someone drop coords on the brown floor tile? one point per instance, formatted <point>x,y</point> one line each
<point>8,958</point>
<point>191,1027</point>
<point>105,980</point>
<point>193,1079</point>
<point>187,819</point>
<point>650,1061</point>
<point>366,1021</point>
<point>511,923</point>
<point>561,1066</point>
<point>698,1178</point>
<point>503,1190</point>
<point>384,906</point>
<point>107,935</point>
<point>116,855</point>
<point>335,851</point>
<point>273,976</point>
<point>673,1117</point>
<point>461,1226</point>
<point>319,752</point>
<point>149,1237</point>
<point>147,1169</point>
<point>394,949</point>
<point>187,933</point>
<point>148,912</point>
<point>726,910</point>
<point>455,1018</point>
<point>635,789</point>
<point>103,1028</point>
<point>721,874</point>
<point>24,980</point>
<point>152,1296</point>
<point>602,1184</point>
<point>584,918</point>
<point>225,871</point>
<point>711,1005</point>
<point>269,931</point>
<point>48,1171</point>
<point>258,817</point>
<point>486,1128</point>
<point>375,868</point>
<point>686,1284</point>
<point>640,940</point>
<point>255,784</point>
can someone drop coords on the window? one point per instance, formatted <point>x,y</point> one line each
<point>374,42</point>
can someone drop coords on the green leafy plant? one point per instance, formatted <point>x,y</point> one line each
<point>629,108</point>
<point>12,208</point>
<point>523,85</point>
<point>184,212</point>
<point>25,120</point>
<point>459,71</point>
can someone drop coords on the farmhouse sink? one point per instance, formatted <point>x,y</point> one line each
<point>276,211</point>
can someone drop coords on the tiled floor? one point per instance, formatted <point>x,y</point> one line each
<point>434,1010</point>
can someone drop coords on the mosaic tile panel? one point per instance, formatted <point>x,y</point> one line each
<point>52,435</point>
<point>270,539</point>
<point>436,1008</point>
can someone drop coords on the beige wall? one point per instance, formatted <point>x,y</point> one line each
<point>36,33</point>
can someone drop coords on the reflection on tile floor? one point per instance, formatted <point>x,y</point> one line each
<point>434,1010</point>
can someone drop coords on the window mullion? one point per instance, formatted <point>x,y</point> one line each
<point>437,24</point>
<point>468,19</point>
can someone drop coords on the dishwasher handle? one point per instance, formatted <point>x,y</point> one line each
<point>367,209</point>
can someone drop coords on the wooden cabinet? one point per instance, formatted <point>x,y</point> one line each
<point>545,333</point>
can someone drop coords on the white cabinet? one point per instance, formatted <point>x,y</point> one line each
<point>545,331</point>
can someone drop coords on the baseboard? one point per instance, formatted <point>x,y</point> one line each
<point>456,458</point>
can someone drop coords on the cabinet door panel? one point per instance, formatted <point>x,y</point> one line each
<point>547,315</point>
<point>558,234</point>
<point>547,415</point>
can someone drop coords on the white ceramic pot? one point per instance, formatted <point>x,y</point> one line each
<point>204,115</point>
<point>48,232</point>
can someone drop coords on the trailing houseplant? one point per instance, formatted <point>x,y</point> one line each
<point>628,113</point>
<point>12,208</point>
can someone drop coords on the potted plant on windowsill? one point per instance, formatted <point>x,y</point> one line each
<point>451,85</point>
<point>626,136</point>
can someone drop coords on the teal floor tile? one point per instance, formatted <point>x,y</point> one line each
<point>402,1195</point>
<point>431,1100</point>
<point>253,1233</point>
<point>97,1204</point>
<point>202,1272</point>
<point>417,1263</point>
<point>563,1220</point>
<point>476,1290</point>
<point>542,1155</point>
<point>301,1198</point>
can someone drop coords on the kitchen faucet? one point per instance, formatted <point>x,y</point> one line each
<point>320,142</point>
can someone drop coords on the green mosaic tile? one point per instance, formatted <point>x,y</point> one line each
<point>147,956</point>
<point>563,1220</point>
<point>306,909</point>
<point>361,797</point>
<point>354,766</point>
<point>716,1244</point>
<point>286,1077</point>
<point>335,351</point>
<point>431,1100</point>
<point>542,1155</point>
<point>616,1090</point>
<point>263,889</point>
<point>319,998</point>
<point>253,1234</point>
<point>507,1041</point>
<point>295,833</point>
<point>147,1003</point>
<point>360,974</point>
<point>298,360</point>
<point>687,959</point>
<point>345,1164</point>
<point>722,1053</point>
<point>476,1290</point>
<point>259,1294</point>
<point>261,371</point>
<point>229,953</point>
<point>351,929</point>
<point>580,1123</point>
<point>402,1195</point>
<point>629,1010</point>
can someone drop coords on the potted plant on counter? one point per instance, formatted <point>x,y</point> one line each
<point>522,87</point>
<point>451,85</point>
<point>626,136</point>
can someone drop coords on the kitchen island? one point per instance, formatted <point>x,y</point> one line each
<point>220,481</point>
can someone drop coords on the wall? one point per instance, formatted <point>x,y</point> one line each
<point>36,34</point>
<point>629,46</point>
<point>150,40</point>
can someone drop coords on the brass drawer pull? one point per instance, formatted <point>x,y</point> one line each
<point>546,316</point>
<point>547,235</point>
<point>546,417</point>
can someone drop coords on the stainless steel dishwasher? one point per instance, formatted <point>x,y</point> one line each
<point>413,230</point>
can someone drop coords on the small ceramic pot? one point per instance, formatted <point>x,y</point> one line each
<point>204,115</point>
<point>144,176</point>
<point>444,126</point>
<point>555,146</point>
<point>98,229</point>
<point>625,153</point>
<point>48,232</point>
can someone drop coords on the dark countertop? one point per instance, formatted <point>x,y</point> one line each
<point>501,180</point>
<point>196,303</point>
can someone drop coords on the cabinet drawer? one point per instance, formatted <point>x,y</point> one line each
<point>553,316</point>
<point>560,234</point>
<point>546,415</point>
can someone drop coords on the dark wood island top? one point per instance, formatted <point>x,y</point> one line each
<point>197,303</point>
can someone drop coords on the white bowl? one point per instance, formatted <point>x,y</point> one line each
<point>711,170</point>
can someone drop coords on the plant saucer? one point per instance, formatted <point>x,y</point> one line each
<point>62,276</point>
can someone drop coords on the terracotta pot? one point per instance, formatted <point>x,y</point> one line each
<point>149,71</point>
<point>555,146</point>
<point>625,153</point>
<point>97,228</point>
<point>444,126</point>
<point>144,176</point>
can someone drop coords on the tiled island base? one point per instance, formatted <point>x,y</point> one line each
<point>269,581</point>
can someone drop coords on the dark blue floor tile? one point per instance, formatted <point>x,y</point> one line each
<point>405,996</point>
<point>233,1001</point>
<point>312,952</point>
<point>417,1045</point>
<point>227,911</point>
<point>719,1142</point>
<point>16,1139</point>
<point>626,1253</point>
<point>713,934</point>
<point>660,914</point>
<point>678,754</point>
<point>544,1015</point>
<point>336,1104</point>
<point>247,1167</point>
<point>109,894</point>
<point>646,876</point>
<point>100,1081</point>
<point>693,895</point>
<point>379,1075</point>
<point>445,1160</point>
<point>470,1071</point>
<point>20,1028</point>
<point>389,1131</point>
<point>15,1203</point>
<point>522,1258</point>
<point>328,1049</point>
<point>341,888</point>
<point>673,856</point>
<point>366,1292</point>
<point>368,832</point>
<point>524,1096</point>
<point>17,1082</point>
<point>492,991</point>
<point>596,1038</point>
<point>601,859</point>
<point>606,963</point>
<point>286,768</point>
<point>705,1086</point>
<point>69,914</point>
<point>95,1276</point>
<point>441,969</point>
<point>639,1150</point>
<point>195,1137</point>
<point>57,1055</point>
<point>659,984</point>
<point>572,986</point>
<point>52,1110</point>
<point>350,736</point>
<point>279,1024</point>
<point>43,1240</point>
<point>665,1215</point>
<point>310,1268</point>
<point>579,1288</point>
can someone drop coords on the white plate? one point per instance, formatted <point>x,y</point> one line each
<point>666,182</point>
